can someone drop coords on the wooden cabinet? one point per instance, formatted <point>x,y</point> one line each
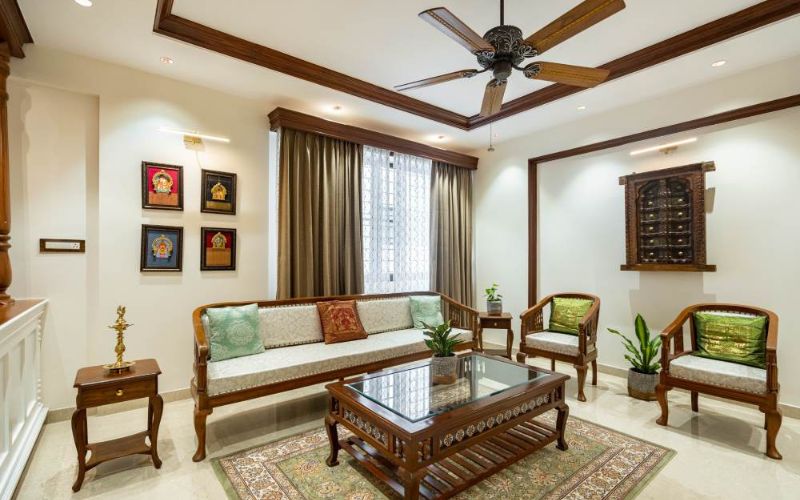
<point>665,219</point>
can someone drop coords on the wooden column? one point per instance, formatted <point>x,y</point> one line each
<point>5,198</point>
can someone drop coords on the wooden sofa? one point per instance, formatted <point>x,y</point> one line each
<point>392,341</point>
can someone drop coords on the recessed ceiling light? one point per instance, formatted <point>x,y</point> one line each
<point>84,3</point>
<point>167,60</point>
<point>717,64</point>
<point>581,108</point>
<point>336,108</point>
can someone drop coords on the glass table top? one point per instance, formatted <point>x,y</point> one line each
<point>411,393</point>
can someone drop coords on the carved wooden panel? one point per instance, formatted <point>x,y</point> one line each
<point>665,219</point>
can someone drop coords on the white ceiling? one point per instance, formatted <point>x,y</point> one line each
<point>385,43</point>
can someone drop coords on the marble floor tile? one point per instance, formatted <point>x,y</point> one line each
<point>719,450</point>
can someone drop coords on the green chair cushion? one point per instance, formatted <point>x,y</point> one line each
<point>426,309</point>
<point>566,313</point>
<point>234,332</point>
<point>732,337</point>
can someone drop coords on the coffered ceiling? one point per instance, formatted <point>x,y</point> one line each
<point>384,43</point>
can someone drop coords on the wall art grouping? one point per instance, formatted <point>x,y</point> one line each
<point>162,246</point>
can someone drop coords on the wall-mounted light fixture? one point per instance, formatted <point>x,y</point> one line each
<point>193,135</point>
<point>664,148</point>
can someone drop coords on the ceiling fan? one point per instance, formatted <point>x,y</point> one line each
<point>502,49</point>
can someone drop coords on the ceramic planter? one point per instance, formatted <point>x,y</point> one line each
<point>444,370</point>
<point>642,385</point>
<point>494,307</point>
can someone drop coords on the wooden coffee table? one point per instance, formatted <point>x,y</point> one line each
<point>403,426</point>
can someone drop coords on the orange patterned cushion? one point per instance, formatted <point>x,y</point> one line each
<point>340,321</point>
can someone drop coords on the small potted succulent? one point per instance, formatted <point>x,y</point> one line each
<point>643,376</point>
<point>444,363</point>
<point>494,301</point>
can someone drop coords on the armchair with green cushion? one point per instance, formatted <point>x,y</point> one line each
<point>732,355</point>
<point>570,336</point>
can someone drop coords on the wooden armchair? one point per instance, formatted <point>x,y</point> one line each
<point>721,378</point>
<point>580,350</point>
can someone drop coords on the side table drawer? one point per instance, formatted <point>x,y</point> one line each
<point>495,323</point>
<point>115,393</point>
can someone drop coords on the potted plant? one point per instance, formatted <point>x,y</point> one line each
<point>494,301</point>
<point>643,376</point>
<point>444,363</point>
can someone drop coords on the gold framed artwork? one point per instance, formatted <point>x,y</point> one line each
<point>162,186</point>
<point>218,192</point>
<point>217,249</point>
<point>162,248</point>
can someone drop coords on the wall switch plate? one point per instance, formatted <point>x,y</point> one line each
<point>54,245</point>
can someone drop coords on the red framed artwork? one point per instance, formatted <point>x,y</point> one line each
<point>162,186</point>
<point>218,249</point>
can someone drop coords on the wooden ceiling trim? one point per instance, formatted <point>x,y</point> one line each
<point>200,35</point>
<point>743,21</point>
<point>791,101</point>
<point>740,22</point>
<point>13,29</point>
<point>286,118</point>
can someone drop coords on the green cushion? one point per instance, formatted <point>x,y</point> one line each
<point>234,332</point>
<point>426,309</point>
<point>732,337</point>
<point>566,313</point>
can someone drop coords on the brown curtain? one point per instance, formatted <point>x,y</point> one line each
<point>451,232</point>
<point>319,216</point>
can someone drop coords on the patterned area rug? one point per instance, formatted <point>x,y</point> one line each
<point>600,463</point>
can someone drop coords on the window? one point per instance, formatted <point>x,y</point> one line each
<point>395,215</point>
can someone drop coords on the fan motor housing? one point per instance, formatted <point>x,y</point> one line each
<point>509,46</point>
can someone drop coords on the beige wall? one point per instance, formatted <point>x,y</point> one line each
<point>752,228</point>
<point>79,130</point>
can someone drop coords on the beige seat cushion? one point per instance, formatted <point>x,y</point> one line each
<point>288,363</point>
<point>720,373</point>
<point>385,315</point>
<point>559,343</point>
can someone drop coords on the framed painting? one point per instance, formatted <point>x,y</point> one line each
<point>219,192</point>
<point>162,186</point>
<point>162,248</point>
<point>218,249</point>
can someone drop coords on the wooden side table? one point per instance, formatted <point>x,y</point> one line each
<point>97,388</point>
<point>502,322</point>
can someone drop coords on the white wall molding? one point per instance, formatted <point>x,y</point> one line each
<point>23,412</point>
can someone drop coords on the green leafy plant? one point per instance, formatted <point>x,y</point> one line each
<point>492,295</point>
<point>440,339</point>
<point>644,358</point>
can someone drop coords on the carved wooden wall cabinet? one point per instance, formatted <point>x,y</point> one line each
<point>665,219</point>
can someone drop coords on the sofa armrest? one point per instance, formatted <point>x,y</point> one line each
<point>532,319</point>
<point>200,352</point>
<point>460,313</point>
<point>587,327</point>
<point>772,356</point>
<point>672,339</point>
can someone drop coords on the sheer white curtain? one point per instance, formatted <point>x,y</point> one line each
<point>396,193</point>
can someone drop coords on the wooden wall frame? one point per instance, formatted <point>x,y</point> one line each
<point>533,165</point>
<point>285,118</point>
<point>168,24</point>
<point>680,221</point>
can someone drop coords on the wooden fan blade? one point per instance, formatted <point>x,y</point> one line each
<point>444,20</point>
<point>583,16</point>
<point>579,76</point>
<point>493,97</point>
<point>455,75</point>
